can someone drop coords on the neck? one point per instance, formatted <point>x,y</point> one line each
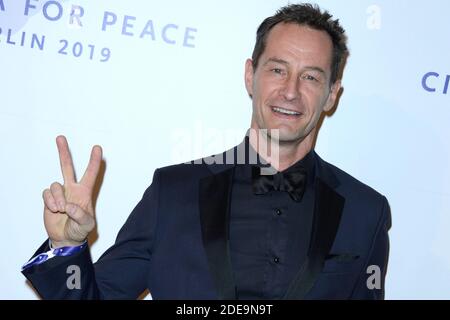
<point>281,155</point>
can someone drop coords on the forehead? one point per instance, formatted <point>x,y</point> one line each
<point>299,44</point>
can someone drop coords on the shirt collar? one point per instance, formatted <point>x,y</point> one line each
<point>252,158</point>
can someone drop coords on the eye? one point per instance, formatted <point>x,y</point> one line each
<point>277,71</point>
<point>309,77</point>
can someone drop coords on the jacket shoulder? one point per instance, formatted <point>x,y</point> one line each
<point>351,187</point>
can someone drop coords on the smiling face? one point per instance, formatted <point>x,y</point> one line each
<point>290,87</point>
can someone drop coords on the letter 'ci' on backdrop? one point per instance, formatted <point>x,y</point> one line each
<point>161,82</point>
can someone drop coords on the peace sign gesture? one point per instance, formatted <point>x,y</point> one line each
<point>68,209</point>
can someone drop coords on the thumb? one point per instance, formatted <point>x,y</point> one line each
<point>77,214</point>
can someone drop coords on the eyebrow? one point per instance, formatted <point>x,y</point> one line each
<point>276,60</point>
<point>284,62</point>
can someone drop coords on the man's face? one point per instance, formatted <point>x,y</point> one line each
<point>290,88</point>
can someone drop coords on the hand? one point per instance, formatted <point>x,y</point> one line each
<point>68,209</point>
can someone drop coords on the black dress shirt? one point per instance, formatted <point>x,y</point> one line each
<point>269,233</point>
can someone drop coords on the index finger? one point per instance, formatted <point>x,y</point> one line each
<point>93,168</point>
<point>65,160</point>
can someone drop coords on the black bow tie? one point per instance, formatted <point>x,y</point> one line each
<point>293,182</point>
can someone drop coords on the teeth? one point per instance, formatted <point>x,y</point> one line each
<point>284,111</point>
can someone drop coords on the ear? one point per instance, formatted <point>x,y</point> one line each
<point>249,77</point>
<point>332,96</point>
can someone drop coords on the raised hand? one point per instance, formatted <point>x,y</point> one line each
<point>68,209</point>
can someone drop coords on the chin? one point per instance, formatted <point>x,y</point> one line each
<point>287,135</point>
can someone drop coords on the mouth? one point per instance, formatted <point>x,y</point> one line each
<point>285,113</point>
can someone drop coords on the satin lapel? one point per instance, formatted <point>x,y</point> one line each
<point>214,201</point>
<point>327,214</point>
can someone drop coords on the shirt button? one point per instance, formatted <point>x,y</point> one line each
<point>276,259</point>
<point>278,212</point>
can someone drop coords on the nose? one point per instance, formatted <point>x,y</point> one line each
<point>290,89</point>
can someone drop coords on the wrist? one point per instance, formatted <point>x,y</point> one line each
<point>60,244</point>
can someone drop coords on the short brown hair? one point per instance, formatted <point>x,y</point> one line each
<point>311,16</point>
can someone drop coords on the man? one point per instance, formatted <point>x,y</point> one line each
<point>208,230</point>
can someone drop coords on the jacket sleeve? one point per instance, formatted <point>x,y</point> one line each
<point>120,273</point>
<point>371,284</point>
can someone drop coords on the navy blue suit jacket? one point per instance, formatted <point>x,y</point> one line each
<point>175,242</point>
